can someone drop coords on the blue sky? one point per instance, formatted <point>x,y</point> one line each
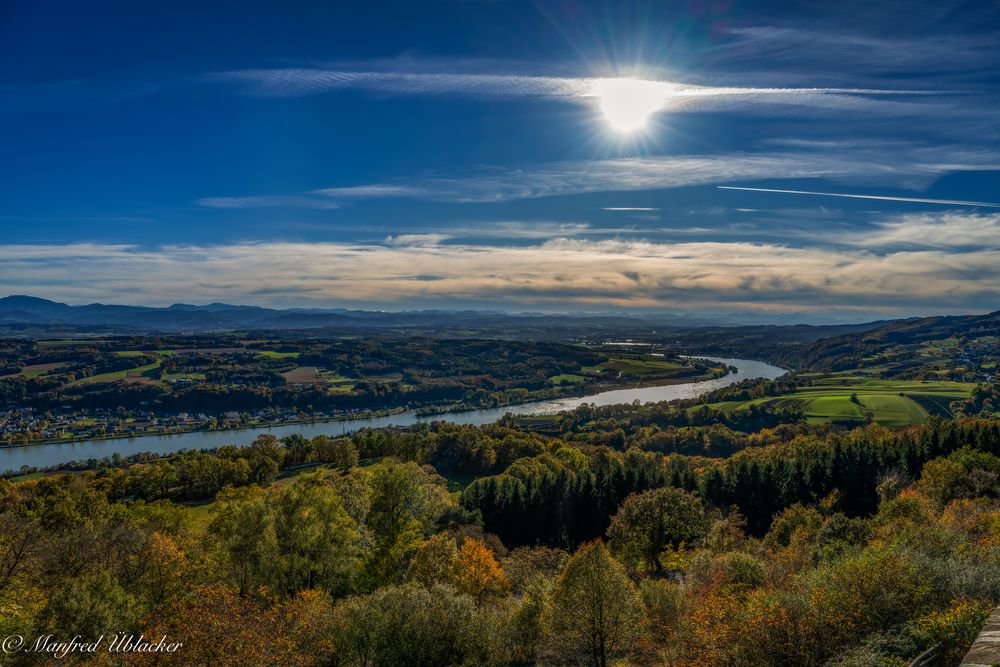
<point>464,154</point>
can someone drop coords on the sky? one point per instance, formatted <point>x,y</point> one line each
<point>554,156</point>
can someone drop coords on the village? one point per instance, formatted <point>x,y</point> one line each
<point>21,425</point>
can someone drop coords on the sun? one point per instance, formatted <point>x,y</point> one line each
<point>627,104</point>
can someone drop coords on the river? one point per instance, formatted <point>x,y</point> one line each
<point>13,458</point>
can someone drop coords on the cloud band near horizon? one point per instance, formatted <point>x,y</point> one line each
<point>919,263</point>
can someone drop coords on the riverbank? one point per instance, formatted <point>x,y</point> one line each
<point>367,414</point>
<point>44,456</point>
<point>443,409</point>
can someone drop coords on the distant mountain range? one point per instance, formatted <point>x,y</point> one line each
<point>27,313</point>
<point>841,343</point>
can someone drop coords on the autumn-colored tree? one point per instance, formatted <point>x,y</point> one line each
<point>218,626</point>
<point>879,588</point>
<point>477,572</point>
<point>595,613</point>
<point>773,627</point>
<point>310,623</point>
<point>162,578</point>
<point>964,474</point>
<point>952,629</point>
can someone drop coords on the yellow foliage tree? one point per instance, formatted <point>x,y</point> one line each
<point>477,572</point>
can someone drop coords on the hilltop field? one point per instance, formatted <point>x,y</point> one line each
<point>852,399</point>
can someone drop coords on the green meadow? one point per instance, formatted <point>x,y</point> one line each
<point>637,367</point>
<point>852,398</point>
<point>137,372</point>
<point>277,355</point>
<point>567,378</point>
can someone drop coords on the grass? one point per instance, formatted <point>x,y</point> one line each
<point>183,376</point>
<point>567,378</point>
<point>845,398</point>
<point>277,355</point>
<point>30,476</point>
<point>201,514</point>
<point>120,375</point>
<point>338,384</point>
<point>645,368</point>
<point>37,370</point>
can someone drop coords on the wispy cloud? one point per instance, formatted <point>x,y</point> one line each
<point>298,82</point>
<point>675,95</point>
<point>918,200</point>
<point>430,239</point>
<point>630,208</point>
<point>905,165</point>
<point>267,201</point>
<point>371,192</point>
<point>840,51</point>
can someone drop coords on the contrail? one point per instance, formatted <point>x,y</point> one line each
<point>947,202</point>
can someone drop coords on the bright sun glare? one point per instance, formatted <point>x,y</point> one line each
<point>628,103</point>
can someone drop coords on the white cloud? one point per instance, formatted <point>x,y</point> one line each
<point>297,82</point>
<point>900,164</point>
<point>370,192</point>
<point>935,230</point>
<point>416,239</point>
<point>558,273</point>
<point>677,95</point>
<point>918,200</point>
<point>267,201</point>
<point>846,49</point>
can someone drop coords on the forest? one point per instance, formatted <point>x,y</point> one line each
<point>744,527</point>
<point>773,542</point>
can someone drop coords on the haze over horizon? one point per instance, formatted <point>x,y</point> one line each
<point>13,305</point>
<point>514,156</point>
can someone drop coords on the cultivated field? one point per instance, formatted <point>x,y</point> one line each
<point>852,398</point>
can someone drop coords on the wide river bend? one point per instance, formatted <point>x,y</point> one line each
<point>12,458</point>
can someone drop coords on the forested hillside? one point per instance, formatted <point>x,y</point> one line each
<point>901,345</point>
<point>769,541</point>
<point>843,518</point>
